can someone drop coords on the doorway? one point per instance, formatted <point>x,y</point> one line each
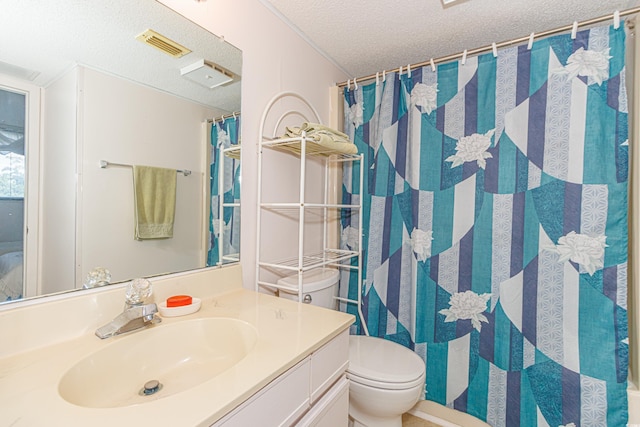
<point>19,164</point>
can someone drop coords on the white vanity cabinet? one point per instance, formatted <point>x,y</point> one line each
<point>314,392</point>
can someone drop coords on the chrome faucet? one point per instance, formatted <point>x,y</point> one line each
<point>135,315</point>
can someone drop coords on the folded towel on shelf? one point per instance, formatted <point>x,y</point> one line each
<point>154,192</point>
<point>317,128</point>
<point>327,140</point>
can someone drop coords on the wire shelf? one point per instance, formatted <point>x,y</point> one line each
<point>311,261</point>
<point>297,205</point>
<point>312,149</point>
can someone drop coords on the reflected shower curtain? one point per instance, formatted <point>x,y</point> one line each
<point>495,227</point>
<point>224,134</point>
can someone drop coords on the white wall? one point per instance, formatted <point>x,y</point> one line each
<point>124,122</point>
<point>275,59</point>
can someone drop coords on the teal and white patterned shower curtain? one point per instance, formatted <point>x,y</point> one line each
<point>224,134</point>
<point>495,227</point>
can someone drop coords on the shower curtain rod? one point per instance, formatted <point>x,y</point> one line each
<point>224,116</point>
<point>489,48</point>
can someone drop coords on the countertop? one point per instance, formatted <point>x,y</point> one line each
<point>287,333</point>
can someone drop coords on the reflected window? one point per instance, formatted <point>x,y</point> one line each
<point>11,175</point>
<point>12,161</point>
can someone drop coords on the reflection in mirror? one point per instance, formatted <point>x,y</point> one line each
<point>93,93</point>
<point>225,191</point>
<point>12,179</point>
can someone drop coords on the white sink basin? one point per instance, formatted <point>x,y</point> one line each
<point>179,355</point>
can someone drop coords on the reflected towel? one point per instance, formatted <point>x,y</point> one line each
<point>154,193</point>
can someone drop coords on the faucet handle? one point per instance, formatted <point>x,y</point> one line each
<point>137,291</point>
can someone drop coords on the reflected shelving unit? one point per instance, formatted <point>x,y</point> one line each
<point>231,153</point>
<point>224,162</point>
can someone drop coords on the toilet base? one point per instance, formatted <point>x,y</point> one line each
<point>376,407</point>
<point>369,407</point>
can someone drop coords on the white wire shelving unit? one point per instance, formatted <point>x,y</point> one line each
<point>267,269</point>
<point>232,153</point>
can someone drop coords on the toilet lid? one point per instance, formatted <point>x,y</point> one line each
<point>384,361</point>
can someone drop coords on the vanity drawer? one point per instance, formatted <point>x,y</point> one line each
<point>280,403</point>
<point>332,409</point>
<point>328,364</point>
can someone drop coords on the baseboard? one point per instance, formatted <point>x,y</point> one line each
<point>633,394</point>
<point>447,417</point>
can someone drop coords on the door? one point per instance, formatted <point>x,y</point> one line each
<point>19,155</point>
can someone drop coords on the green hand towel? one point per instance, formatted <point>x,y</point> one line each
<point>154,192</point>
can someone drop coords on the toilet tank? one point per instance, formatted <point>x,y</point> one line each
<point>319,287</point>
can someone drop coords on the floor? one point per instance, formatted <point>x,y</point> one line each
<point>409,420</point>
<point>438,416</point>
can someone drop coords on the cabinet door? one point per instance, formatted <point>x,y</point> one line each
<point>280,403</point>
<point>328,364</point>
<point>332,410</point>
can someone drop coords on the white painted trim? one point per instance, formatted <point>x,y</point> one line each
<point>633,395</point>
<point>206,191</point>
<point>444,416</point>
<point>79,173</point>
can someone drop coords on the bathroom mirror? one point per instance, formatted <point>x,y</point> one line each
<point>110,97</point>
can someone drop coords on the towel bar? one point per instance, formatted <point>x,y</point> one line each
<point>104,164</point>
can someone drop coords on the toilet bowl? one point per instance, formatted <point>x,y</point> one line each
<point>386,379</point>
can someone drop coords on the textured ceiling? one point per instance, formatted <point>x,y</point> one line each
<point>366,36</point>
<point>51,37</point>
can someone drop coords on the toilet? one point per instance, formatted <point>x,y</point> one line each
<point>386,379</point>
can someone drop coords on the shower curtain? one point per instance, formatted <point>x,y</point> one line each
<point>224,134</point>
<point>495,227</point>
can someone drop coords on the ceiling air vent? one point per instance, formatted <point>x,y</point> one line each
<point>163,43</point>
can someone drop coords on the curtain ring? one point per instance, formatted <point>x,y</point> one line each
<point>530,45</point>
<point>433,66</point>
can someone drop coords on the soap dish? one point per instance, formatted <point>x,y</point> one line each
<point>179,311</point>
